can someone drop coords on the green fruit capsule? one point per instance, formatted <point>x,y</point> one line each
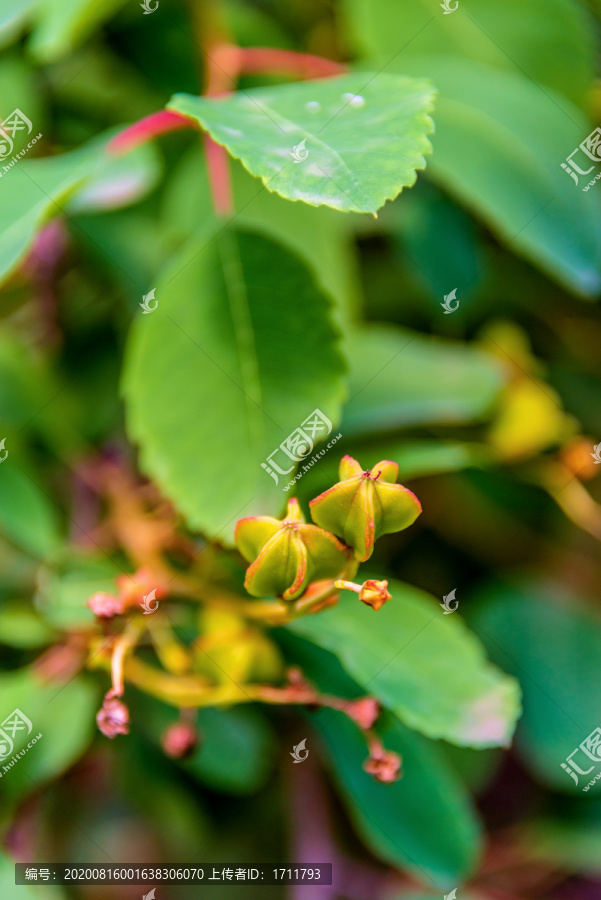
<point>287,555</point>
<point>364,505</point>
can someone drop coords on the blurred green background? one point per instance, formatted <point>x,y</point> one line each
<point>492,413</point>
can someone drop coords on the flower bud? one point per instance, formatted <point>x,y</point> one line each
<point>363,711</point>
<point>287,555</point>
<point>180,740</point>
<point>384,766</point>
<point>364,505</point>
<point>372,593</point>
<point>113,717</point>
<point>105,606</point>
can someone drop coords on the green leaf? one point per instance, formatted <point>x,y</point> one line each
<point>64,716</point>
<point>508,36</point>
<point>63,593</point>
<point>10,891</point>
<point>237,752</point>
<point>424,666</point>
<point>498,148</point>
<point>364,136</point>
<point>33,191</point>
<point>21,627</point>
<point>400,378</point>
<point>553,647</point>
<point>424,822</point>
<point>224,369</point>
<point>63,24</point>
<point>27,514</point>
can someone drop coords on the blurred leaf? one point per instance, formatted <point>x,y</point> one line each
<point>426,667</point>
<point>438,241</point>
<point>417,459</point>
<point>27,514</point>
<point>498,147</point>
<point>401,378</point>
<point>11,891</point>
<point>369,153</point>
<point>425,821</point>
<point>63,24</point>
<point>14,14</point>
<point>222,371</point>
<point>554,650</point>
<point>33,191</point>
<point>62,713</point>
<point>573,846</point>
<point>237,750</point>
<point>119,181</point>
<point>508,36</point>
<point>64,592</point>
<point>21,627</point>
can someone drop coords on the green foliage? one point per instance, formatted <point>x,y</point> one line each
<point>366,136</point>
<point>136,441</point>
<point>428,669</point>
<point>204,373</point>
<point>423,822</point>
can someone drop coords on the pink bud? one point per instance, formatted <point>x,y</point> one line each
<point>364,711</point>
<point>105,606</point>
<point>113,718</point>
<point>385,766</point>
<point>180,740</point>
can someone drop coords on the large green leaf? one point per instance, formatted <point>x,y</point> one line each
<point>508,35</point>
<point>400,378</point>
<point>553,647</point>
<point>498,147</point>
<point>364,136</point>
<point>322,237</point>
<point>425,821</point>
<point>239,352</point>
<point>425,666</point>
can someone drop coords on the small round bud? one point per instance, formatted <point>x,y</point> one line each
<point>113,717</point>
<point>364,711</point>
<point>180,740</point>
<point>374,593</point>
<point>105,606</point>
<point>384,767</point>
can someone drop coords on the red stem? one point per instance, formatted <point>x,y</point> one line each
<point>271,61</point>
<point>146,129</point>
